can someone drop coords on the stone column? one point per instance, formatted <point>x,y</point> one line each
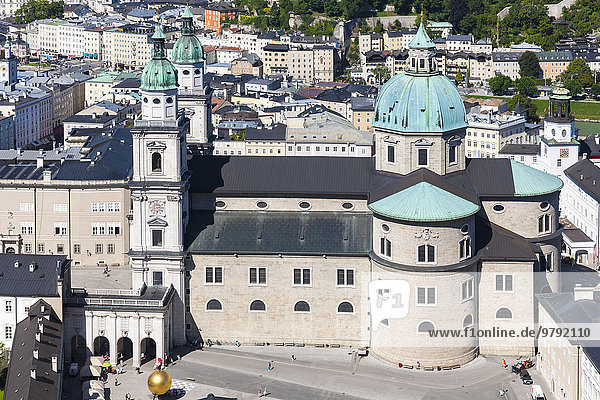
<point>89,332</point>
<point>159,335</point>
<point>136,340</point>
<point>111,331</point>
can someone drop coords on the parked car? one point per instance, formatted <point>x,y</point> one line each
<point>537,393</point>
<point>525,377</point>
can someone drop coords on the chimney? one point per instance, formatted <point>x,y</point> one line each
<point>32,267</point>
<point>583,293</point>
<point>55,363</point>
<point>36,353</point>
<point>32,372</point>
<point>41,327</point>
<point>38,336</point>
<point>94,115</point>
<point>581,177</point>
<point>47,176</point>
<point>17,264</point>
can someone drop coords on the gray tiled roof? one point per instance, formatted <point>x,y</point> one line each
<point>586,175</point>
<point>19,383</point>
<point>273,232</point>
<point>41,282</point>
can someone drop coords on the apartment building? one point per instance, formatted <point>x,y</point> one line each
<point>456,62</point>
<point>301,65</point>
<point>226,54</point>
<point>553,63</point>
<point>32,117</point>
<point>459,42</point>
<point>369,41</point>
<point>392,40</point>
<point>506,63</point>
<point>103,84</point>
<point>480,67</point>
<point>276,59</point>
<point>487,133</point>
<point>324,63</point>
<point>215,13</point>
<point>127,46</point>
<point>361,110</point>
<point>249,64</point>
<point>60,37</point>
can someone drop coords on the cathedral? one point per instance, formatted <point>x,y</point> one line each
<point>327,251</point>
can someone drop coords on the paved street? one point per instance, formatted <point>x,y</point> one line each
<point>232,372</point>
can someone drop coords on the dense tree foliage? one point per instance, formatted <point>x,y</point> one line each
<point>579,70</point>
<point>459,77</point>
<point>527,104</point>
<point>529,65</point>
<point>381,73</point>
<point>595,90</point>
<point>34,10</point>
<point>573,86</point>
<point>500,84</point>
<point>584,15</point>
<point>526,86</point>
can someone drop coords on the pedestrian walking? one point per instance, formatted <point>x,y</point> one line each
<point>270,366</point>
<point>116,382</point>
<point>265,391</point>
<point>178,357</point>
<point>127,396</point>
<point>137,369</point>
<point>293,357</point>
<point>260,393</point>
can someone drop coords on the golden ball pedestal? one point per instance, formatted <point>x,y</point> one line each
<point>159,382</point>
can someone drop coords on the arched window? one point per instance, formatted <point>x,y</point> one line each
<point>345,307</point>
<point>468,321</point>
<point>464,248</point>
<point>156,162</point>
<point>504,313</point>
<point>258,305</point>
<point>301,306</point>
<point>426,253</point>
<point>214,305</point>
<point>425,327</point>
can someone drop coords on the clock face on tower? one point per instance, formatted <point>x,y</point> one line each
<point>157,207</point>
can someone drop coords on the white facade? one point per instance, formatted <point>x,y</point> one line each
<point>590,379</point>
<point>581,209</point>
<point>32,116</point>
<point>59,37</point>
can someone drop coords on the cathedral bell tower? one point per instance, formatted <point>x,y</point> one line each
<point>559,148</point>
<point>8,68</point>
<point>194,94</point>
<point>159,187</point>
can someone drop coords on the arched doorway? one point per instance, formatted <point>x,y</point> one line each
<point>124,348</point>
<point>78,349</point>
<point>101,346</point>
<point>148,349</point>
<point>10,250</point>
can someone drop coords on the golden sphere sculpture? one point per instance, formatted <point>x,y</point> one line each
<point>159,382</point>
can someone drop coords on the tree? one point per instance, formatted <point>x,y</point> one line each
<point>527,104</point>
<point>34,10</point>
<point>459,77</point>
<point>526,86</point>
<point>529,65</point>
<point>332,8</point>
<point>500,84</point>
<point>573,86</point>
<point>595,90</point>
<point>578,69</point>
<point>378,27</point>
<point>382,73</point>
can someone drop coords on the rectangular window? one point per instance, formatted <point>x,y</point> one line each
<point>110,248</point>
<point>214,275</point>
<point>27,247</point>
<point>391,154</point>
<point>464,248</point>
<point>301,276</point>
<point>549,262</point>
<point>423,158</point>
<point>426,296</point>
<point>60,228</point>
<point>452,154</point>
<point>467,289</point>
<point>385,247</point>
<point>558,162</point>
<point>98,207</point>
<point>8,332</point>
<point>41,247</point>
<point>157,278</point>
<point>113,206</point>
<point>8,306</point>
<point>77,248</point>
<point>345,277</point>
<point>60,207</point>
<point>98,248</point>
<point>98,228</point>
<point>114,228</point>
<point>258,276</point>
<point>26,207</point>
<point>504,283</point>
<point>157,237</point>
<point>26,228</point>
<point>60,248</point>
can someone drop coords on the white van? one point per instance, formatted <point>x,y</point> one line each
<point>537,393</point>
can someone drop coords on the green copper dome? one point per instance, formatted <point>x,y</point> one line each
<point>187,49</point>
<point>424,202</point>
<point>159,74</point>
<point>529,181</point>
<point>419,103</point>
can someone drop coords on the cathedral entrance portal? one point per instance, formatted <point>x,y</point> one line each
<point>124,349</point>
<point>148,349</point>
